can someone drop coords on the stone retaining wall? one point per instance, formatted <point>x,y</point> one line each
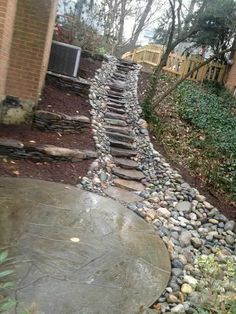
<point>78,86</point>
<point>59,122</point>
<point>17,149</point>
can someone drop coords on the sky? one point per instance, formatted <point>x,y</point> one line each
<point>146,34</point>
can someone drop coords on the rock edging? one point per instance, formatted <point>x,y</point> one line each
<point>59,122</point>
<point>17,149</point>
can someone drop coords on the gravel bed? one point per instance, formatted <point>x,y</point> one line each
<point>188,224</point>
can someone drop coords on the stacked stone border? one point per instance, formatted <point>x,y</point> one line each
<point>78,86</point>
<point>16,149</point>
<point>59,122</point>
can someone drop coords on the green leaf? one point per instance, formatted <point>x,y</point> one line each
<point>7,305</point>
<point>6,273</point>
<point>3,256</point>
<point>6,285</point>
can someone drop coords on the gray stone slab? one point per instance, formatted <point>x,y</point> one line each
<point>116,122</point>
<point>78,252</point>
<point>129,185</point>
<point>121,144</point>
<point>128,174</point>
<point>111,115</point>
<point>120,129</point>
<point>11,142</point>
<point>116,110</point>
<point>120,137</point>
<point>122,195</point>
<point>115,105</point>
<point>125,163</point>
<point>121,152</point>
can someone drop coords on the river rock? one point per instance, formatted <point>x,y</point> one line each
<point>185,238</point>
<point>196,243</point>
<point>186,288</point>
<point>184,206</point>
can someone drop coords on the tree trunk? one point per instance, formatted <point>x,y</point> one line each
<point>118,50</point>
<point>79,9</point>
<point>122,21</point>
<point>139,28</point>
<point>151,91</point>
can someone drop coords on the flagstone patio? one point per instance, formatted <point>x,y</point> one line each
<point>78,252</point>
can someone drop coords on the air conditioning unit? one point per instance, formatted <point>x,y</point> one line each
<point>64,59</point>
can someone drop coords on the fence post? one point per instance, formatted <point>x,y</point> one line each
<point>202,73</point>
<point>133,55</point>
<point>186,65</point>
<point>144,56</point>
<point>160,53</point>
<point>221,74</point>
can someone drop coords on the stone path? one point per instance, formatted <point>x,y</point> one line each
<point>129,170</point>
<point>77,252</point>
<point>118,131</point>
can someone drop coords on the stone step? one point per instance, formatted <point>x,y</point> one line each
<point>119,75</point>
<point>115,93</point>
<point>121,152</point>
<point>120,137</point>
<point>129,185</point>
<point>119,129</point>
<point>125,163</point>
<point>128,174</point>
<point>114,143</point>
<point>127,62</point>
<point>116,98</point>
<point>116,116</point>
<point>116,110</point>
<point>116,122</point>
<point>127,68</point>
<point>116,101</point>
<point>117,86</point>
<point>120,79</point>
<point>122,195</point>
<point>115,105</point>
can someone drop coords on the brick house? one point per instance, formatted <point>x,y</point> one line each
<point>230,76</point>
<point>26,29</point>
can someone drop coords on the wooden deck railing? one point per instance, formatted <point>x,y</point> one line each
<point>177,64</point>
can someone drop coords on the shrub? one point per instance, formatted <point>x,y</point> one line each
<point>209,109</point>
<point>5,262</point>
<point>217,285</point>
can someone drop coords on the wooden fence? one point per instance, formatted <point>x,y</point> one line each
<point>149,56</point>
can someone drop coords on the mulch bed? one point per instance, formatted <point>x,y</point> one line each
<point>88,67</point>
<point>54,100</point>
<point>216,198</point>
<point>64,172</point>
<point>26,134</point>
<point>57,100</point>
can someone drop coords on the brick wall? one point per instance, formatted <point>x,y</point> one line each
<point>230,79</point>
<point>47,49</point>
<point>7,16</point>
<point>30,48</point>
